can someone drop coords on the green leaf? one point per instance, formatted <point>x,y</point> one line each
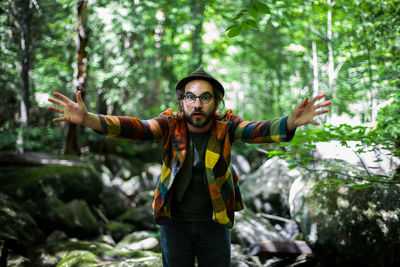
<point>320,185</point>
<point>262,8</point>
<point>292,166</point>
<point>252,23</point>
<point>336,181</point>
<point>253,12</point>
<point>361,186</point>
<point>238,16</point>
<point>230,27</point>
<point>235,31</point>
<point>245,26</point>
<point>275,153</point>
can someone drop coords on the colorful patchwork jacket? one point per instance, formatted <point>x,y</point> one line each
<point>222,179</point>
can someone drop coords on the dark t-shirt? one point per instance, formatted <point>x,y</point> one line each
<point>191,197</point>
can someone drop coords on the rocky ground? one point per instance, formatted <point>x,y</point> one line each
<point>96,211</point>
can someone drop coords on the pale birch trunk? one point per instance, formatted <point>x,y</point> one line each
<point>315,69</point>
<point>24,91</point>
<point>331,64</point>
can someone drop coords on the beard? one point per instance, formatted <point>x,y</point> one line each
<point>198,122</point>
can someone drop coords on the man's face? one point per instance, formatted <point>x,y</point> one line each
<point>199,114</point>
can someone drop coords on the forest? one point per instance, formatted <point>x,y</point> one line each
<point>126,57</point>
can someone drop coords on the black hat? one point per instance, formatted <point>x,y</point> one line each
<point>200,74</point>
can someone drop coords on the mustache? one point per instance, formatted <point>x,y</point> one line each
<point>198,112</point>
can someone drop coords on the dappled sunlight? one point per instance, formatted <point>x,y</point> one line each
<point>9,211</point>
<point>380,163</point>
<point>58,161</point>
<point>62,183</point>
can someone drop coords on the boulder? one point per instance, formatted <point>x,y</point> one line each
<point>90,253</point>
<point>76,219</point>
<point>150,176</point>
<point>18,229</point>
<point>267,189</point>
<point>240,163</point>
<point>240,259</point>
<point>56,235</point>
<point>149,261</point>
<point>87,258</point>
<point>141,216</point>
<point>147,180</point>
<point>343,225</point>
<point>121,167</point>
<point>283,253</point>
<point>79,257</point>
<point>141,213</point>
<point>129,187</point>
<point>114,201</point>
<point>118,229</point>
<point>139,241</point>
<point>134,237</point>
<point>107,239</point>
<point>377,160</point>
<point>280,248</point>
<point>251,228</point>
<point>36,175</point>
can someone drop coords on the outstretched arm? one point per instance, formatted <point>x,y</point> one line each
<point>74,112</point>
<point>305,112</point>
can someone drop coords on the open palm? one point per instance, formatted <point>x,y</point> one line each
<point>305,112</point>
<point>74,112</point>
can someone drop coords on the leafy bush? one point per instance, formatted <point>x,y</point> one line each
<point>42,138</point>
<point>298,152</point>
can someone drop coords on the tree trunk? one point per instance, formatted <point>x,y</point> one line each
<point>315,68</point>
<point>81,40</point>
<point>197,16</point>
<point>25,58</point>
<point>331,66</point>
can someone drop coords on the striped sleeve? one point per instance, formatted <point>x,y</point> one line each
<point>132,128</point>
<point>268,131</point>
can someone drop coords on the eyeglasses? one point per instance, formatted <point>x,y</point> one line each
<point>204,98</point>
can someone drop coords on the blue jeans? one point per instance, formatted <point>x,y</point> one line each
<point>181,242</point>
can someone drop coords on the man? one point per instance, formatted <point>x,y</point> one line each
<point>198,190</point>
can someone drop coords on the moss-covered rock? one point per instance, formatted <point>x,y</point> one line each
<point>76,218</point>
<point>141,215</point>
<point>347,226</point>
<point>141,240</point>
<point>79,258</point>
<point>17,226</point>
<point>114,201</point>
<point>35,176</point>
<point>118,229</point>
<point>88,259</point>
<point>88,253</point>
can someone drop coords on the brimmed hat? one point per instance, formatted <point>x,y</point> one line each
<point>200,74</point>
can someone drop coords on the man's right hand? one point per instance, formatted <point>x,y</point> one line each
<point>74,112</point>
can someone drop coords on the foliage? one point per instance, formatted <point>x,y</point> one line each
<point>39,138</point>
<point>246,18</point>
<point>268,55</point>
<point>300,150</point>
<point>389,119</point>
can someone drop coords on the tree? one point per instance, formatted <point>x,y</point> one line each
<point>197,15</point>
<point>80,75</point>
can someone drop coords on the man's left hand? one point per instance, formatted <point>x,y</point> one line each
<point>305,112</point>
